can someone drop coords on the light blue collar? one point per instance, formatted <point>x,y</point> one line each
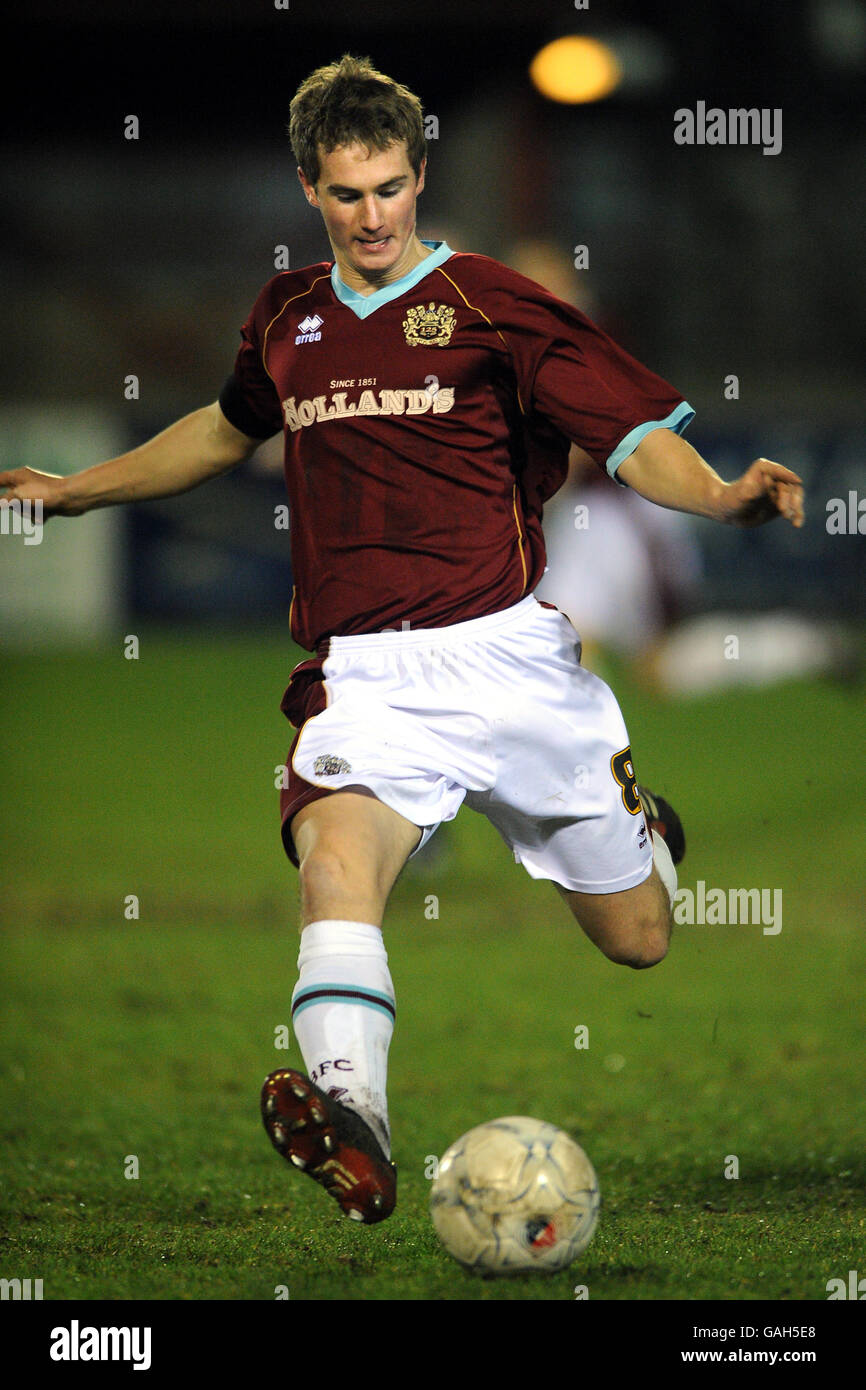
<point>365,304</point>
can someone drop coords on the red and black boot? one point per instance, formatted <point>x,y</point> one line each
<point>331,1143</point>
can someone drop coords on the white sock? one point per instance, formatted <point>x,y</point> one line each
<point>343,1016</point>
<point>665,865</point>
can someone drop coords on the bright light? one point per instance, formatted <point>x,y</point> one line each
<point>572,69</point>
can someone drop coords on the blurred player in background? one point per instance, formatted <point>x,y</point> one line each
<point>628,574</point>
<point>618,568</point>
<point>427,400</point>
<point>621,569</point>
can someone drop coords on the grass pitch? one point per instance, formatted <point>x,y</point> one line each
<point>149,958</point>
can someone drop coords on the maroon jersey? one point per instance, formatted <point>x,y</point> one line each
<point>425,426</point>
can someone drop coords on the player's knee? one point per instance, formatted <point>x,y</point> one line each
<point>340,868</point>
<point>643,945</point>
<point>652,951</point>
<point>327,869</point>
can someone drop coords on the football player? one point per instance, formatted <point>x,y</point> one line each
<point>428,400</point>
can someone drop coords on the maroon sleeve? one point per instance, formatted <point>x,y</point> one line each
<point>249,399</point>
<point>599,396</point>
<point>573,375</point>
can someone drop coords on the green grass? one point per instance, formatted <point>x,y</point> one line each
<point>149,1037</point>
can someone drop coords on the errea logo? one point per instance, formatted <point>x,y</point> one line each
<point>309,329</point>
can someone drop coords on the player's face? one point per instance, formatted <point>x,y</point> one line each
<point>367,200</point>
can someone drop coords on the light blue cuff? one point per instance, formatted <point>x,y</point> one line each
<point>678,421</point>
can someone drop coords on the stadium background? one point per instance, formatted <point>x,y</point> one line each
<point>155,777</point>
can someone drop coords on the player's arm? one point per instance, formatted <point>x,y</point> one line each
<point>197,447</point>
<point>667,470</point>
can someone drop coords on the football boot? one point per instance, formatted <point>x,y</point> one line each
<point>330,1142</point>
<point>662,817</point>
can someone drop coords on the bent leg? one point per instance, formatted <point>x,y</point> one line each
<point>632,927</point>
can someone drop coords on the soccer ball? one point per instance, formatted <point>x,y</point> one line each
<point>514,1195</point>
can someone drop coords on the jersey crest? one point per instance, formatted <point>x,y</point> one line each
<point>429,325</point>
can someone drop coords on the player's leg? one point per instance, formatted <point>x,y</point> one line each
<point>567,801</point>
<point>632,927</point>
<point>351,848</point>
<point>332,1120</point>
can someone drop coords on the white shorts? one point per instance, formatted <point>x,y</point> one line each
<point>496,713</point>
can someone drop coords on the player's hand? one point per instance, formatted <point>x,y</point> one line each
<point>29,485</point>
<point>765,491</point>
